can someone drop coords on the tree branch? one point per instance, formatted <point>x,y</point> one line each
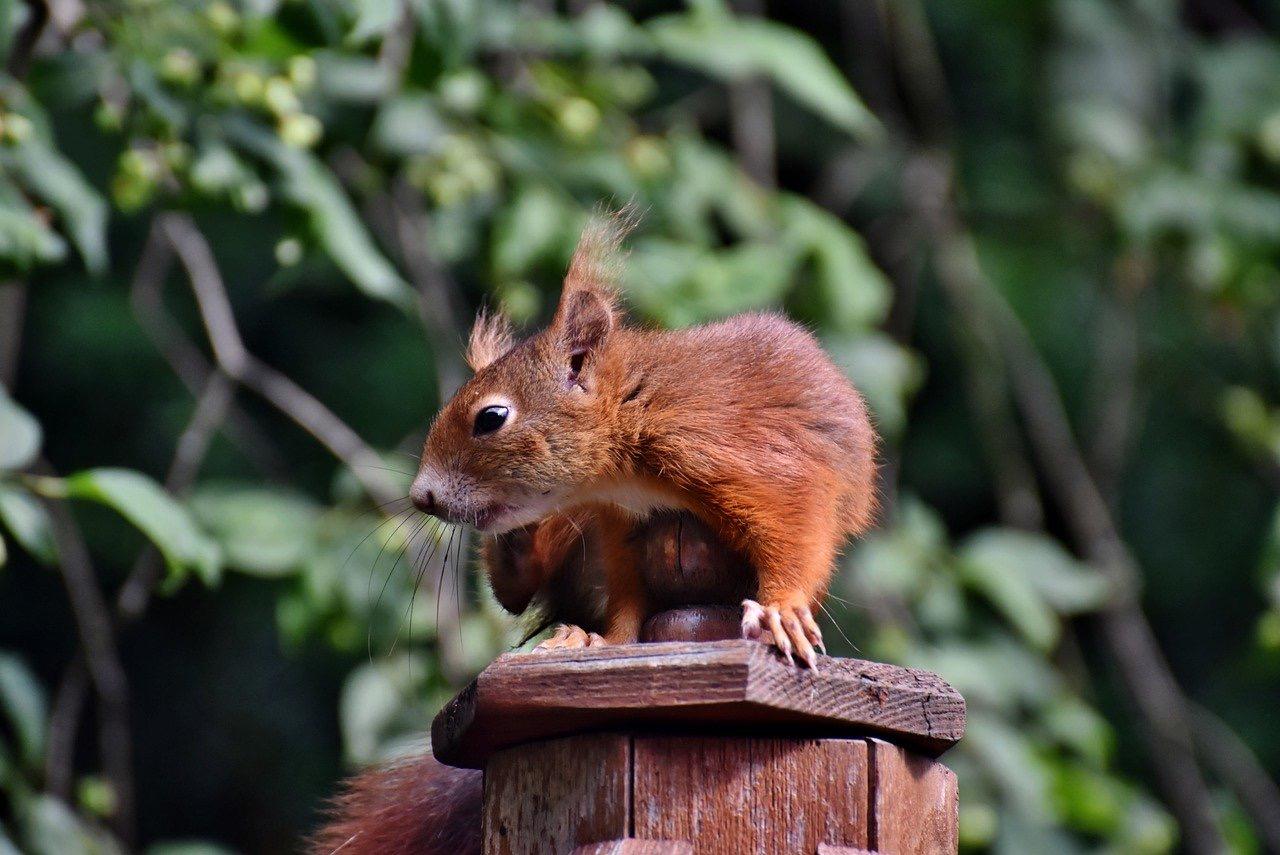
<point>1142,666</point>
<point>751,118</point>
<point>102,661</point>
<point>13,304</point>
<point>182,355</point>
<point>279,390</point>
<point>1232,761</point>
<point>24,44</point>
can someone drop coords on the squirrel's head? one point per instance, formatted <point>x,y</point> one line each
<point>530,426</point>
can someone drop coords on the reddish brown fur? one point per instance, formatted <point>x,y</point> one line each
<point>746,422</point>
<point>417,806</point>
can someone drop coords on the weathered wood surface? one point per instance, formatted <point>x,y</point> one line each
<point>644,794</point>
<point>741,684</point>
<point>750,795</point>
<point>555,795</point>
<point>915,803</point>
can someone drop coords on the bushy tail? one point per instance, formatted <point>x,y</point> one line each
<point>416,805</point>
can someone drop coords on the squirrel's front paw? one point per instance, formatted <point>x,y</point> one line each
<point>792,628</point>
<point>568,637</point>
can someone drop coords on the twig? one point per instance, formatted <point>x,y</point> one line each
<point>212,408</point>
<point>393,55</point>
<point>102,660</point>
<point>439,302</point>
<point>25,43</point>
<point>13,304</point>
<point>1232,761</point>
<point>751,118</point>
<point>1115,373</point>
<point>184,358</point>
<point>280,391</point>
<point>64,724</point>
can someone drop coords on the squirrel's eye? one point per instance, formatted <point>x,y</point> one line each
<point>490,419</point>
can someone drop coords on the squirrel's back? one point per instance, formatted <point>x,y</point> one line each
<point>758,388</point>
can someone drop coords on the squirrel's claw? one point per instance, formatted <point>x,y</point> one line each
<point>569,637</point>
<point>793,629</point>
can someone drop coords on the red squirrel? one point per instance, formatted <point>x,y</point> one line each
<point>746,423</point>
<point>615,470</point>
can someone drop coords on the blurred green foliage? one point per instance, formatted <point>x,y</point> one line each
<point>366,173</point>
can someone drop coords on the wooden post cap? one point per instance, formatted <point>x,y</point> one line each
<point>737,685</point>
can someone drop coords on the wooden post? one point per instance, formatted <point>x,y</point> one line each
<point>705,747</point>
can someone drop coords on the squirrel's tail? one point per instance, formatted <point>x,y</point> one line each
<point>415,805</point>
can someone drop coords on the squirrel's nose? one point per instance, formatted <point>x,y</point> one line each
<point>422,497</point>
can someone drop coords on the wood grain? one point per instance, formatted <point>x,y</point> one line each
<point>915,806</point>
<point>557,795</point>
<point>740,684</point>
<point>751,795</point>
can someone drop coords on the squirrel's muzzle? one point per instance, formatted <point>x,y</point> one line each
<point>423,497</point>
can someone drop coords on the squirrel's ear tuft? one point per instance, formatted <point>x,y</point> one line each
<point>588,307</point>
<point>491,338</point>
<point>597,262</point>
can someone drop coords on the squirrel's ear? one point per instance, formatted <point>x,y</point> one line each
<point>583,320</point>
<point>491,338</point>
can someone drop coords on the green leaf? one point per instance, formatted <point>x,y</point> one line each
<point>312,187</point>
<point>20,434</point>
<point>53,178</point>
<point>374,709</point>
<point>1065,584</point>
<point>408,124</point>
<point>853,293</point>
<point>735,49</point>
<point>680,284</point>
<point>7,846</point>
<point>262,531</point>
<point>156,514</point>
<point>188,847</point>
<point>51,828</point>
<point>374,18</point>
<point>1005,583</point>
<point>897,560</point>
<point>23,702</point>
<point>28,522</point>
<point>528,230</point>
<point>25,240</point>
<point>885,372</point>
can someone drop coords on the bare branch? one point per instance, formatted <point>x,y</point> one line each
<point>751,118</point>
<point>1232,761</point>
<point>186,360</point>
<point>439,301</point>
<point>280,391</point>
<point>24,43</point>
<point>13,304</point>
<point>64,724</point>
<point>102,660</point>
<point>393,55</point>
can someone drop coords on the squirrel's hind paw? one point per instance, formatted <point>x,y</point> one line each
<point>569,637</point>
<point>792,628</point>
